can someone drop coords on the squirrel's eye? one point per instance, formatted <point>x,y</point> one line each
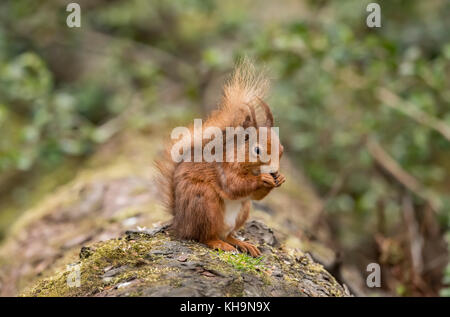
<point>257,151</point>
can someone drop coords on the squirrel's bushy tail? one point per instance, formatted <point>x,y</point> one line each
<point>166,168</point>
<point>244,90</point>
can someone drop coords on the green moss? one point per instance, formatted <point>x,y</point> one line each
<point>242,261</point>
<point>112,253</point>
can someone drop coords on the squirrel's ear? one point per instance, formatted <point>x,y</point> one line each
<point>268,116</point>
<point>248,122</point>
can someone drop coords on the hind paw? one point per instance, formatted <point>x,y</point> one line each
<point>220,245</point>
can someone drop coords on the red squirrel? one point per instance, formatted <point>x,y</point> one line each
<point>209,201</point>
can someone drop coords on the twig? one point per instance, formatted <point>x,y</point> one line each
<point>403,177</point>
<point>168,62</point>
<point>414,236</point>
<point>393,101</point>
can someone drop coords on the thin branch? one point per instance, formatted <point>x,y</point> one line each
<point>393,101</point>
<point>414,236</point>
<point>403,177</point>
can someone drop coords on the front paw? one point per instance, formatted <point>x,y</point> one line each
<point>279,178</point>
<point>268,181</point>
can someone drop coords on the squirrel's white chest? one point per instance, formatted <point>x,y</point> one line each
<point>233,209</point>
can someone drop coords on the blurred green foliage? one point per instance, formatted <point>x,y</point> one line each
<point>63,91</point>
<point>326,98</point>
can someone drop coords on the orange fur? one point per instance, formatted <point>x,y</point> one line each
<point>197,193</point>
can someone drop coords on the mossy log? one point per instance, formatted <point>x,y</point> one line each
<point>113,193</point>
<point>151,263</point>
